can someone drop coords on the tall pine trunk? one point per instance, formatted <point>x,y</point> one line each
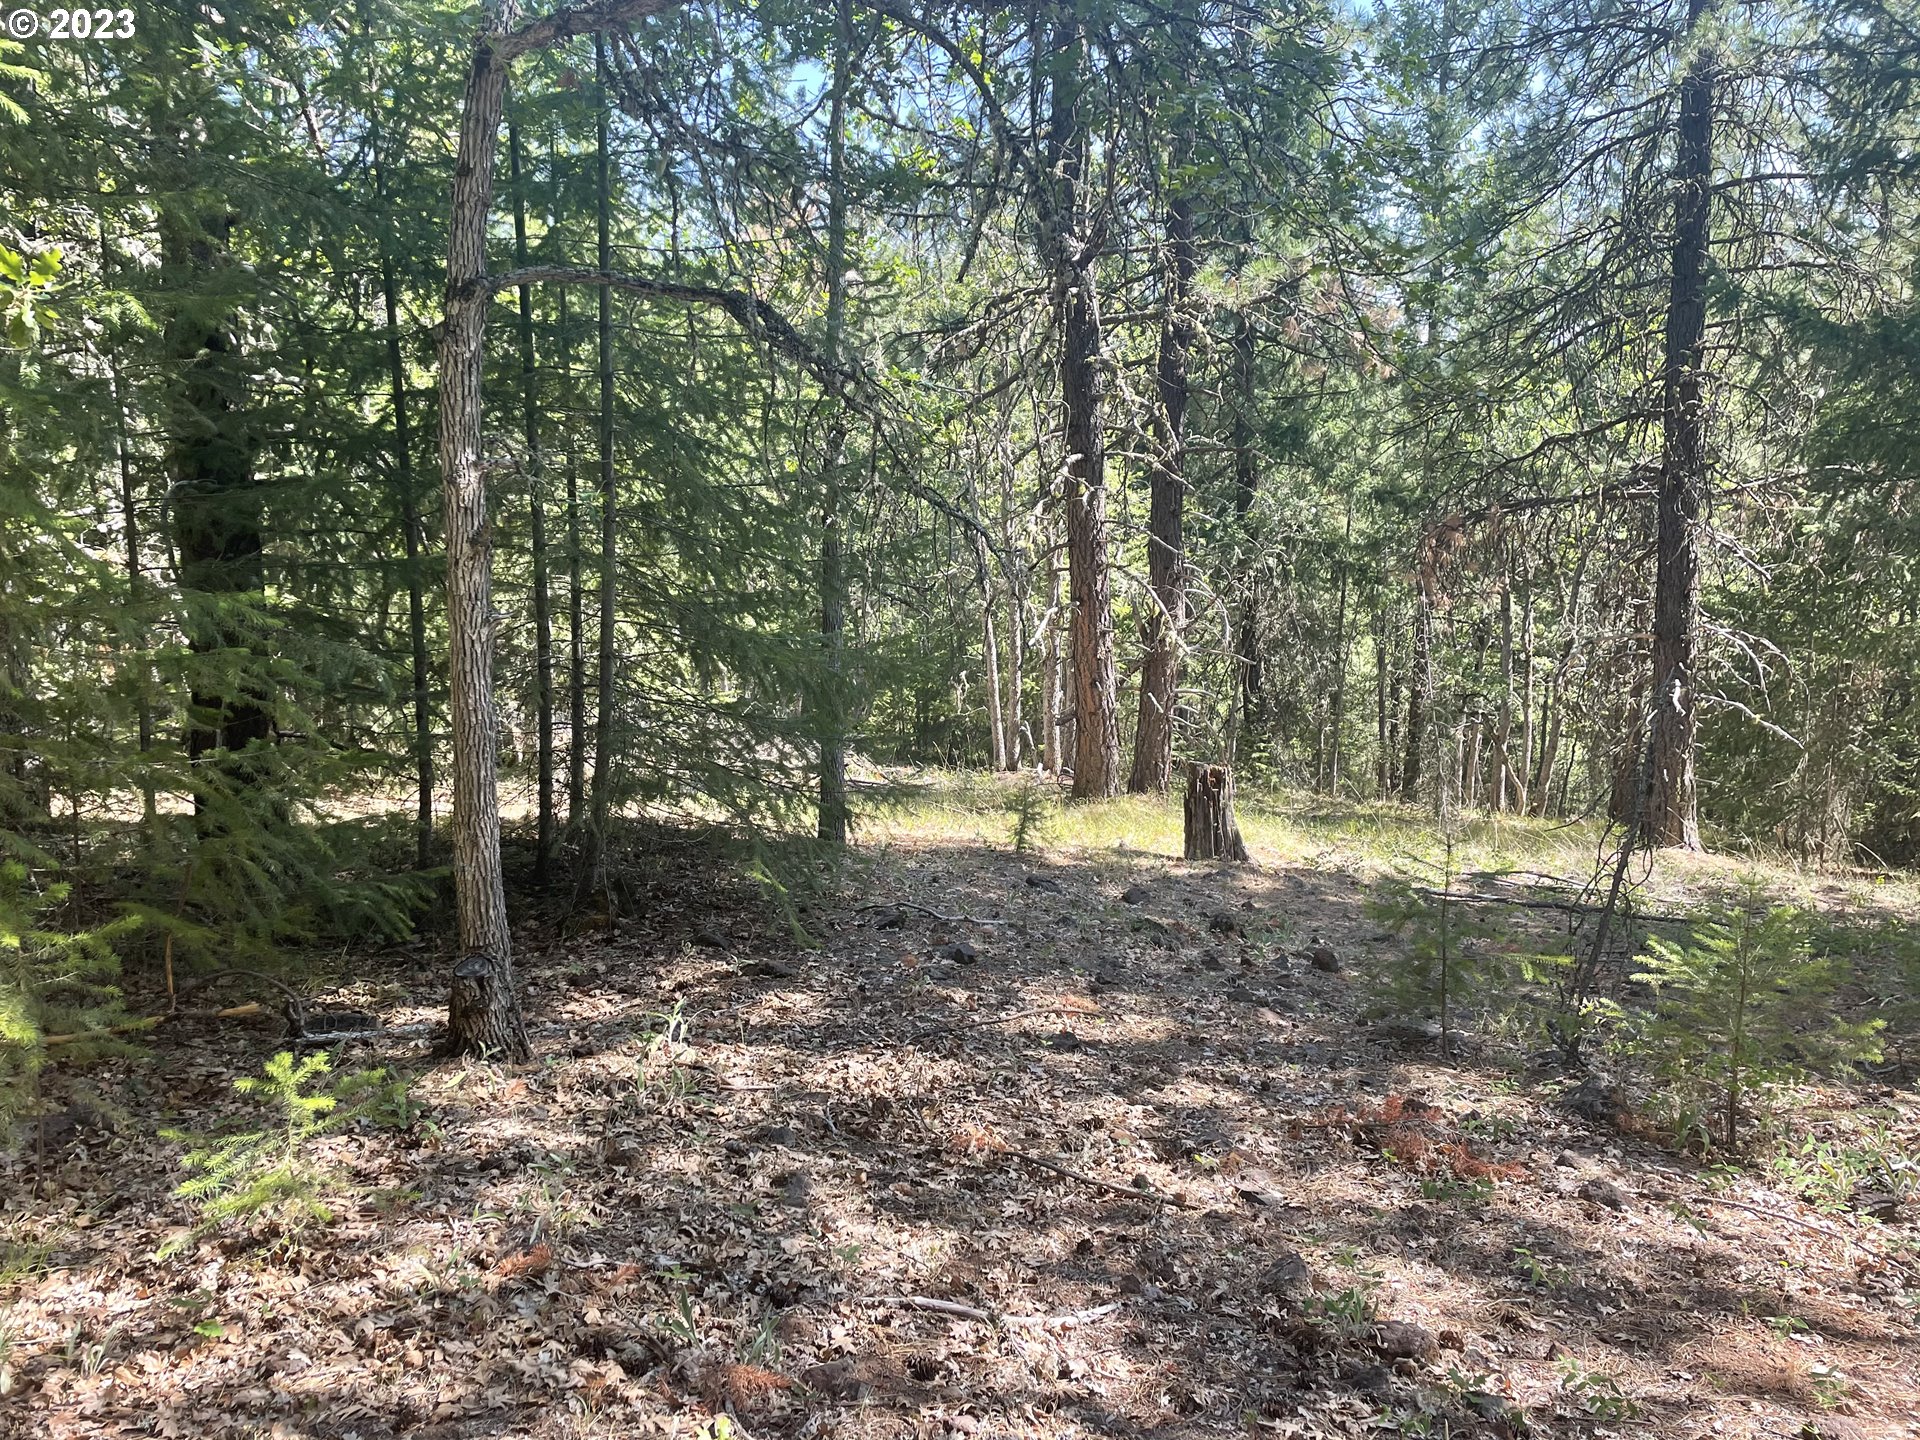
<point>576,606</point>
<point>832,824</point>
<point>1672,816</point>
<point>483,1009</point>
<point>1246,489</point>
<point>1166,543</point>
<point>604,702</point>
<point>1068,241</point>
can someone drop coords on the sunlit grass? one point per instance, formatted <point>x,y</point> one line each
<point>1365,839</point>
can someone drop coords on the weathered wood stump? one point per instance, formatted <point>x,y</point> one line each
<point>1212,832</point>
<point>483,1013</point>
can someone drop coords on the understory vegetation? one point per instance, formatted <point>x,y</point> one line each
<point>605,610</point>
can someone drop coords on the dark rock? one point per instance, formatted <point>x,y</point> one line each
<point>1595,1098</point>
<point>1604,1192</point>
<point>1135,895</point>
<point>1489,1406</point>
<point>772,970</point>
<point>838,1380</point>
<point>1375,1380</point>
<point>1288,1277</point>
<point>1883,1205</point>
<point>1403,1340</point>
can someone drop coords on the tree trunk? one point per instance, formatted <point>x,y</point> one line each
<point>832,826</point>
<point>536,530</point>
<point>483,1009</point>
<point>1166,545</point>
<point>1016,675</point>
<point>1050,673</point>
<point>1342,655</point>
<point>1246,488</point>
<point>1211,830</point>
<point>1419,696</point>
<point>1383,751</point>
<point>1068,241</point>
<point>576,608</point>
<point>1672,808</point>
<point>604,702</point>
<point>1502,753</point>
<point>411,530</point>
<point>136,600</point>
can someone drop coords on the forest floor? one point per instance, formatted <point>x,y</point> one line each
<point>1106,1157</point>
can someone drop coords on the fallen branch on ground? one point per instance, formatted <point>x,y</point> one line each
<point>988,1317</point>
<point>150,1022</point>
<point>943,919</point>
<point>1127,1190</point>
<point>1570,907</point>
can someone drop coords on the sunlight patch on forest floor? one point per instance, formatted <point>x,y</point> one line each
<point>1094,1168</point>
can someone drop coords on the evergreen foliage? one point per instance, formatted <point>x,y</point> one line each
<point>1743,1005</point>
<point>270,1175</point>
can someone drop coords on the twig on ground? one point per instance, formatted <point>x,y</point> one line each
<point>970,1312</point>
<point>924,910</point>
<point>1127,1190</point>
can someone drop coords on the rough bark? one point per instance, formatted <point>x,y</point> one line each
<point>1212,833</point>
<point>1070,246</point>
<point>1166,540</point>
<point>1672,806</point>
<point>482,1009</point>
<point>483,1012</point>
<point>576,608</point>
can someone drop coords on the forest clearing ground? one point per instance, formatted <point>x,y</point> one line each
<point>755,1189</point>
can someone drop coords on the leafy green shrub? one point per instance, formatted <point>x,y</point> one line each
<point>271,1173</point>
<point>1742,1005</point>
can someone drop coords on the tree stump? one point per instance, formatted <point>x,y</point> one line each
<point>1212,832</point>
<point>483,1013</point>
